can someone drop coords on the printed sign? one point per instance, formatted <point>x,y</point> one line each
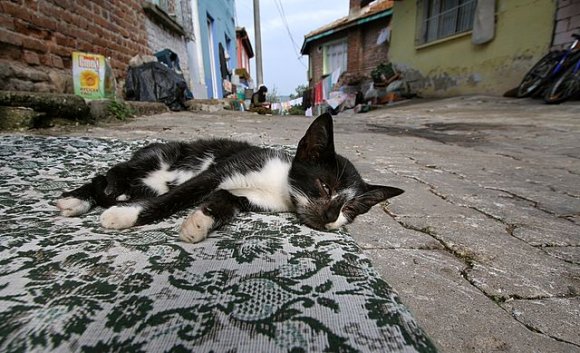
<point>92,76</point>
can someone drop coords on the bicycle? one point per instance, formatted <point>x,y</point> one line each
<point>558,69</point>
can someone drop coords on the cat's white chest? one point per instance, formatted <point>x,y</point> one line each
<point>267,188</point>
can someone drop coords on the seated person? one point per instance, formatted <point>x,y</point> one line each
<point>259,98</point>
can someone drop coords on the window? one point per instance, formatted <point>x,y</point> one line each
<point>335,56</point>
<point>445,18</point>
<point>167,13</point>
<point>228,51</point>
<point>171,8</point>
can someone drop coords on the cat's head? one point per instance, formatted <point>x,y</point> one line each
<point>327,190</point>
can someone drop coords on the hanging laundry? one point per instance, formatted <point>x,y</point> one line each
<point>384,36</point>
<point>336,75</point>
<point>336,99</point>
<point>297,101</point>
<point>318,93</point>
<point>276,106</point>
<point>326,87</point>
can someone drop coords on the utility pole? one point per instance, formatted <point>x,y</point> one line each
<point>258,39</point>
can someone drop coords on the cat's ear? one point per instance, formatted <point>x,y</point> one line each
<point>318,143</point>
<point>378,193</point>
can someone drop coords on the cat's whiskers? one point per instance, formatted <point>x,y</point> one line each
<point>301,198</point>
<point>339,175</point>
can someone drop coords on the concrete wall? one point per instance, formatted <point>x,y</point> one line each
<point>455,66</point>
<point>158,39</point>
<point>223,14</point>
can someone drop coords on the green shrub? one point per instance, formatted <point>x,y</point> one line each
<point>296,110</point>
<point>120,110</point>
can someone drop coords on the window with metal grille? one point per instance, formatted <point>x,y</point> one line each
<point>445,18</point>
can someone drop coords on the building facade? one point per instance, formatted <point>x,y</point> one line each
<point>245,50</point>
<point>447,48</point>
<point>218,42</point>
<point>355,44</point>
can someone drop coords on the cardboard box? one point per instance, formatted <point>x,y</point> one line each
<point>92,76</point>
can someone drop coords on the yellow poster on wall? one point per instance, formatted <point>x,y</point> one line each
<point>92,76</point>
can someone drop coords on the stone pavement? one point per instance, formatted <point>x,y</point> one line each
<point>484,245</point>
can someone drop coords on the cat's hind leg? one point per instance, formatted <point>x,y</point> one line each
<point>219,208</point>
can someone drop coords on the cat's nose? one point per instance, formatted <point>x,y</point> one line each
<point>331,214</point>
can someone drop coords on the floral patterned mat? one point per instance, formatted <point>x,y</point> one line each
<point>264,283</point>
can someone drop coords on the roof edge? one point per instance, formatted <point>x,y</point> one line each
<point>376,16</point>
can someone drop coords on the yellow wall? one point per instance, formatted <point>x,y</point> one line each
<point>456,66</point>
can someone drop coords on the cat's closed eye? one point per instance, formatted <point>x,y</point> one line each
<point>324,188</point>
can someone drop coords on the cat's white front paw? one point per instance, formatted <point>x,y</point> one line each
<point>71,206</point>
<point>120,217</point>
<point>196,227</point>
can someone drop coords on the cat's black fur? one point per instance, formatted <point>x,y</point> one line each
<point>224,177</point>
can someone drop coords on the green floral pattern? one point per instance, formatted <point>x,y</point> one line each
<point>264,283</point>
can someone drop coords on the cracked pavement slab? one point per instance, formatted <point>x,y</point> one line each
<point>458,316</point>
<point>543,315</point>
<point>483,246</point>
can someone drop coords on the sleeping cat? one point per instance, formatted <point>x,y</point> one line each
<point>224,177</point>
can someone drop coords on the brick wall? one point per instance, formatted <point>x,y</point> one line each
<point>316,54</point>
<point>567,22</point>
<point>373,53</point>
<point>39,37</point>
<point>355,49</point>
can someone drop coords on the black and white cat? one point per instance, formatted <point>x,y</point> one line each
<point>224,177</point>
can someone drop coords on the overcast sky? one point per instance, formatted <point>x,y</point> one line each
<point>281,66</point>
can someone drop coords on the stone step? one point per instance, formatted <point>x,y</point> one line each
<point>64,106</point>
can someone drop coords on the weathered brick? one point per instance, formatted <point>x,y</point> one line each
<point>15,10</point>
<point>61,50</point>
<point>575,23</point>
<point>563,3</point>
<point>44,22</point>
<point>563,38</point>
<point>57,61</point>
<point>52,60</point>
<point>32,30</point>
<point>567,11</point>
<point>30,57</point>
<point>6,22</point>
<point>65,41</point>
<point>35,44</point>
<point>10,37</point>
<point>562,25</point>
